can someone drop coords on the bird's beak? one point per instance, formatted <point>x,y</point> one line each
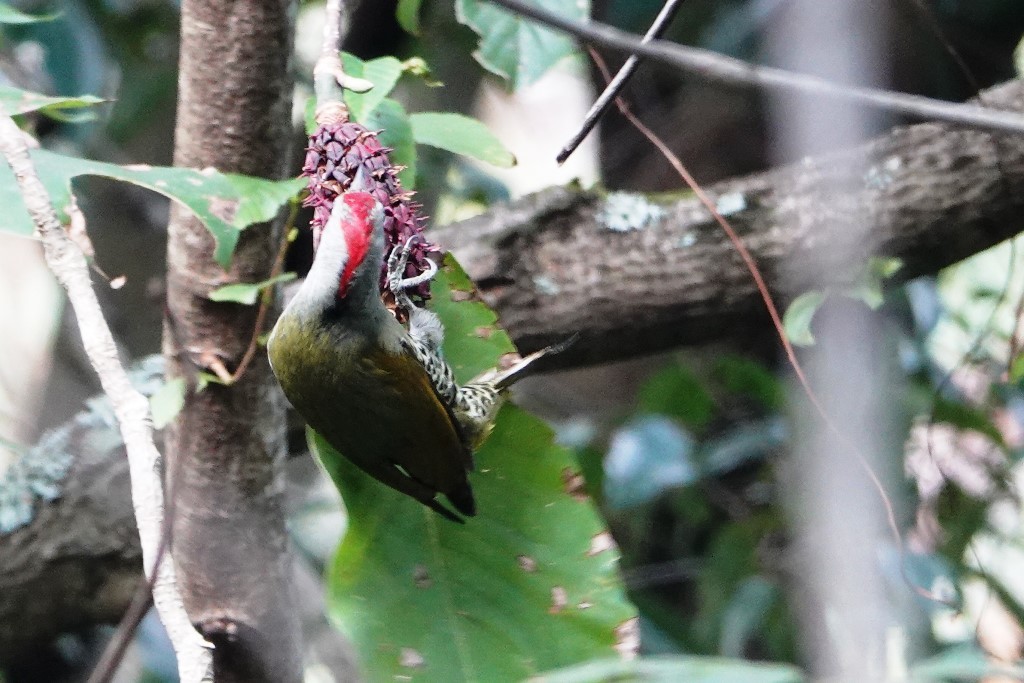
<point>362,182</point>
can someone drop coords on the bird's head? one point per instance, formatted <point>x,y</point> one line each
<point>350,248</point>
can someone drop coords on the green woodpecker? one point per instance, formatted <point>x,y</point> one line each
<point>381,395</point>
<point>353,372</point>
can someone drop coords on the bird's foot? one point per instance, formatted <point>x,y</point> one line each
<point>397,282</point>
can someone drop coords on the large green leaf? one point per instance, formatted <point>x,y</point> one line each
<point>527,585</point>
<point>462,135</point>
<point>225,203</point>
<point>741,375</point>
<point>674,669</point>
<point>517,49</point>
<point>473,341</point>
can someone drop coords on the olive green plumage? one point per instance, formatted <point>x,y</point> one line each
<point>343,362</point>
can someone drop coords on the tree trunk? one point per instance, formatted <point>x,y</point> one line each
<point>225,450</point>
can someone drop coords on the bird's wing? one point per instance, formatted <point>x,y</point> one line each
<point>431,450</point>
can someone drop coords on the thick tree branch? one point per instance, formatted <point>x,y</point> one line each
<point>131,408</point>
<point>226,447</point>
<point>933,194</point>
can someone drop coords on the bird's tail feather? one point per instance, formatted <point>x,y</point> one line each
<point>434,505</point>
<point>506,378</point>
<point>462,499</point>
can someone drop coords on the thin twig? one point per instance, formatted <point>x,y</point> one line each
<point>113,653</point>
<point>713,66</point>
<point>131,408</point>
<point>615,86</point>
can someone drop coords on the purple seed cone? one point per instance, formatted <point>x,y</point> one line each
<point>335,153</point>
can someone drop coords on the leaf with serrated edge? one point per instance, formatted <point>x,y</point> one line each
<point>462,135</point>
<point>525,586</point>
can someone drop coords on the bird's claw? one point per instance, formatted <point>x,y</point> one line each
<point>396,269</point>
<point>425,276</point>
<point>397,283</point>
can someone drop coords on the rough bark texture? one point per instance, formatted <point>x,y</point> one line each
<point>933,195</point>
<point>78,562</point>
<point>225,448</point>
